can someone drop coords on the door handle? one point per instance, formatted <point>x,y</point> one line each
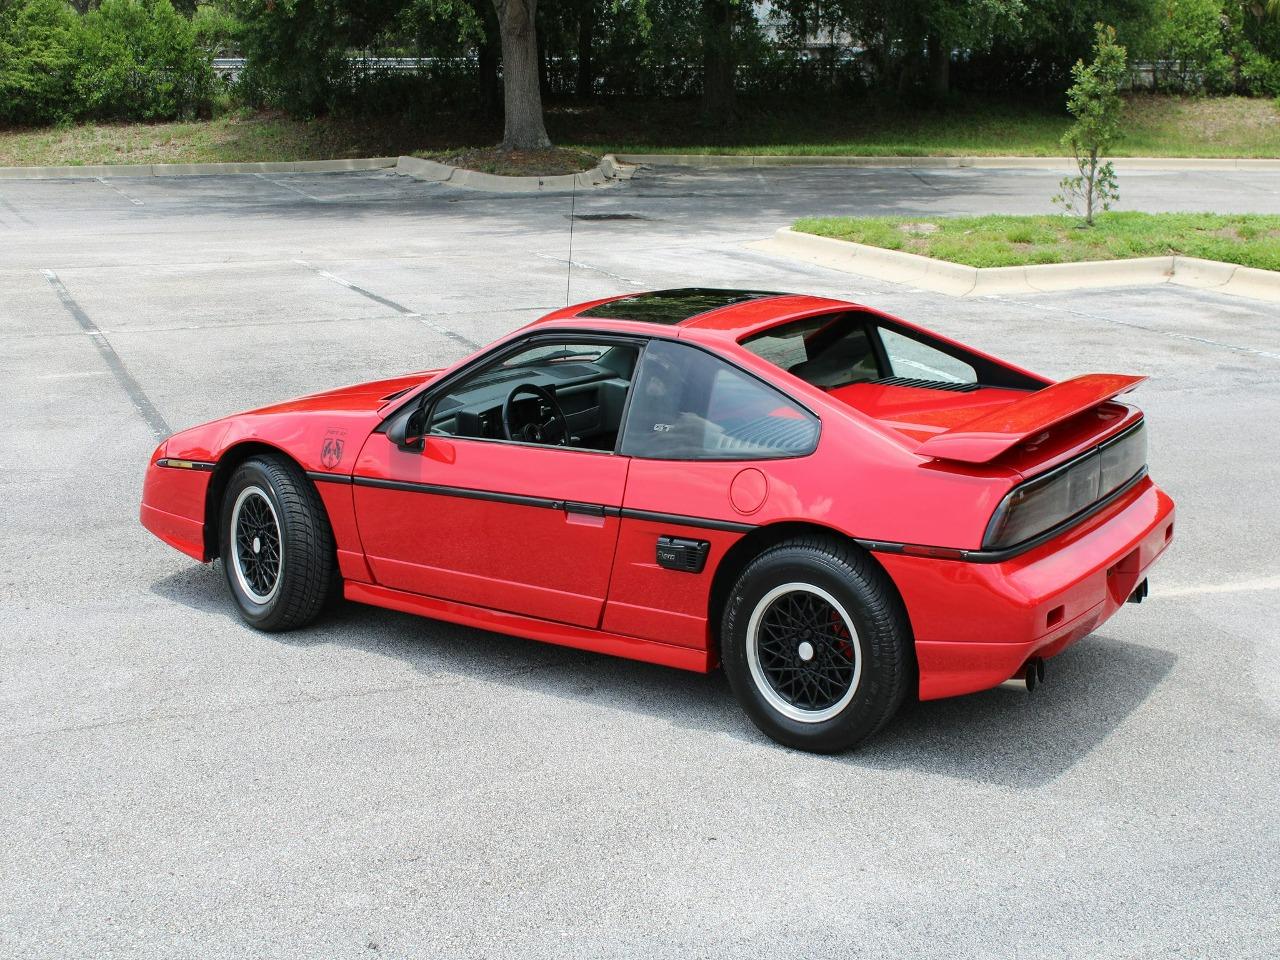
<point>585,509</point>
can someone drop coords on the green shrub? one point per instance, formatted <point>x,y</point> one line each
<point>138,59</point>
<point>216,31</point>
<point>37,61</point>
<point>1253,43</point>
<point>1259,74</point>
<point>1186,41</point>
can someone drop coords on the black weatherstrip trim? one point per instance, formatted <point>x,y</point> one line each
<point>328,477</point>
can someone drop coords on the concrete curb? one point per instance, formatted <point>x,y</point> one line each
<point>957,280</point>
<point>706,161</point>
<point>95,171</point>
<point>609,169</point>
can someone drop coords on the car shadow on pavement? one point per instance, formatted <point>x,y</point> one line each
<point>1005,737</point>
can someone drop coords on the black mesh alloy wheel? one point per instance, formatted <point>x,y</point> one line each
<point>277,547</point>
<point>816,644</point>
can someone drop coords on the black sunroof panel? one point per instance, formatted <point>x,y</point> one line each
<point>672,306</point>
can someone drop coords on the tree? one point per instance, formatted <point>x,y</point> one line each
<point>523,126</point>
<point>1094,101</point>
<point>719,60</point>
<point>907,42</point>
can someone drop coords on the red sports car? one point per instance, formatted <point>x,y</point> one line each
<point>839,507</point>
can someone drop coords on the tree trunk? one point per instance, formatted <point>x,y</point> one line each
<point>719,63</point>
<point>939,68</point>
<point>523,127</point>
<point>586,40</point>
<point>490,85</point>
<point>1089,186</point>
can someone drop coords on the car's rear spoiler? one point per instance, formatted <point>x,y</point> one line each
<point>985,438</point>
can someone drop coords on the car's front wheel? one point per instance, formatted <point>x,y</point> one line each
<point>816,644</point>
<point>277,547</point>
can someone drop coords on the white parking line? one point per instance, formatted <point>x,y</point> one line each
<point>289,186</point>
<point>1172,334</point>
<point>399,308</point>
<point>111,186</point>
<point>1240,586</point>
<point>579,265</point>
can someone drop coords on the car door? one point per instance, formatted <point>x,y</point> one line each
<point>523,527</point>
<point>708,442</point>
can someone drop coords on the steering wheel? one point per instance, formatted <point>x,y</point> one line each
<point>554,429</point>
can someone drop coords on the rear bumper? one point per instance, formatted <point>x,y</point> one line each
<point>977,624</point>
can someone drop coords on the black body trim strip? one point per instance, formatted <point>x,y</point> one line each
<point>707,523</point>
<point>328,477</point>
<point>466,493</point>
<point>569,506</point>
<point>178,463</point>
<point>703,522</point>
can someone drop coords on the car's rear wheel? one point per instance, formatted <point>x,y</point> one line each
<point>816,644</point>
<point>277,547</point>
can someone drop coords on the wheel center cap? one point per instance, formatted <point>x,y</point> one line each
<point>257,546</point>
<point>805,651</point>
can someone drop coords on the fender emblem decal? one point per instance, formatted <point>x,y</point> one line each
<point>331,452</point>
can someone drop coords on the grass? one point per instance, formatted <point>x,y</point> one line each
<point>1154,126</point>
<point>995,241</point>
<point>230,138</point>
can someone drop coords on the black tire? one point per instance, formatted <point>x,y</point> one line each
<point>273,489</point>
<point>825,688</point>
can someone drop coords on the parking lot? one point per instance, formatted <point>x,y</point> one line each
<point>178,785</point>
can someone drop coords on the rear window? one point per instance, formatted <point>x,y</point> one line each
<point>827,351</point>
<point>913,360</point>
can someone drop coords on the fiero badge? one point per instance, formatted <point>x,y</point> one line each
<point>331,449</point>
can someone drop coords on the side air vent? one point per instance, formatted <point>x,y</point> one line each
<point>928,384</point>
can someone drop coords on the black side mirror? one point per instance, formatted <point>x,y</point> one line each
<point>408,433</point>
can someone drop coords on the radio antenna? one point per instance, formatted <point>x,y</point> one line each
<point>573,198</point>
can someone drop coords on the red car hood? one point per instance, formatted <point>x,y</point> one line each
<point>357,398</point>
<point>298,426</point>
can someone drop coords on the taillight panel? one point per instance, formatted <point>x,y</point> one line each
<point>1068,491</point>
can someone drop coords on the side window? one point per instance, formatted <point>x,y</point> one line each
<point>689,405</point>
<point>556,393</point>
<point>914,360</point>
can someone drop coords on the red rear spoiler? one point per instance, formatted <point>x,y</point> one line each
<point>984,439</point>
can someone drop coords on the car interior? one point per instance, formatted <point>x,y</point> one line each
<point>837,351</point>
<point>542,394</point>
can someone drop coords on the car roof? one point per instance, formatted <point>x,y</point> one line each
<point>732,312</point>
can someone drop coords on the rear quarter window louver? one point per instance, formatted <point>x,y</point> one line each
<point>928,384</point>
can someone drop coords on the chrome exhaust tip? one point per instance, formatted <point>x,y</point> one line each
<point>1028,678</point>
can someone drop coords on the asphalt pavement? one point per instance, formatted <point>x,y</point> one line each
<point>178,785</point>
